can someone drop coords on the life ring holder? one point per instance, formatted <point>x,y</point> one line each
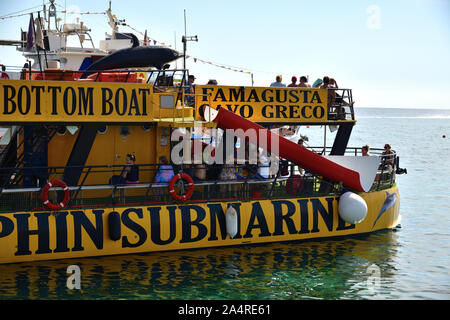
<point>184,197</point>
<point>63,203</point>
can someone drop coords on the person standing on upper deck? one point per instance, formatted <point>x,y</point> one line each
<point>333,84</point>
<point>331,93</point>
<point>387,157</point>
<point>278,82</point>
<point>337,98</point>
<point>189,91</point>
<point>325,83</point>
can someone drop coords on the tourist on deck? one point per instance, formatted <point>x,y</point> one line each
<point>387,158</point>
<point>23,72</point>
<point>278,82</point>
<point>165,171</point>
<point>129,174</point>
<point>294,82</point>
<point>338,98</point>
<point>212,82</point>
<point>331,97</point>
<point>228,173</point>
<point>287,131</point>
<point>3,74</point>
<point>365,150</point>
<point>300,142</point>
<point>253,170</point>
<point>317,83</point>
<point>163,175</point>
<point>274,165</point>
<point>189,91</point>
<point>333,83</point>
<point>263,165</point>
<point>325,83</point>
<point>200,172</point>
<point>200,175</point>
<point>304,82</point>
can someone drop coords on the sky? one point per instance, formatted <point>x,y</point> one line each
<point>391,53</point>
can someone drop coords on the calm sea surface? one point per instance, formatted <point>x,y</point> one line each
<point>412,262</point>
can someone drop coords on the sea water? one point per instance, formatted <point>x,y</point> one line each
<point>411,262</point>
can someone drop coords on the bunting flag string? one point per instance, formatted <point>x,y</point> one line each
<point>63,11</point>
<point>155,42</point>
<point>81,13</point>
<point>17,15</point>
<point>220,66</point>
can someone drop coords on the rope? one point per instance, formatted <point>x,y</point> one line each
<point>13,13</point>
<point>19,15</point>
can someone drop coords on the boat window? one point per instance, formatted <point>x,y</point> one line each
<point>164,81</point>
<point>166,101</point>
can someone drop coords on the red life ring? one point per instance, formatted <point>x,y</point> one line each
<point>55,183</point>
<point>184,197</point>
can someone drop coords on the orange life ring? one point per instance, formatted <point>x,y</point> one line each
<point>184,197</point>
<point>55,183</point>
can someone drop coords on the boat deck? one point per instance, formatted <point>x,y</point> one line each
<point>289,182</point>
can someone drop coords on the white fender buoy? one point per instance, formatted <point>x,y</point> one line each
<point>352,208</point>
<point>231,218</point>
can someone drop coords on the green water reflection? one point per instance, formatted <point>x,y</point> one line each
<point>309,270</point>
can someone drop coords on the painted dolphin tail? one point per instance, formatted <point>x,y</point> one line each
<point>137,57</point>
<point>357,173</point>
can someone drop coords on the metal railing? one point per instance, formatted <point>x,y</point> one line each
<point>340,104</point>
<point>147,191</point>
<point>340,100</point>
<point>287,182</point>
<point>387,170</point>
<point>164,82</point>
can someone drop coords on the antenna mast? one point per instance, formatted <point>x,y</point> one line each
<point>185,39</point>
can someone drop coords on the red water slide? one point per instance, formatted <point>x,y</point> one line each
<point>305,158</point>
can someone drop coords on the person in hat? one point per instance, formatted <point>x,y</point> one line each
<point>294,82</point>
<point>317,83</point>
<point>190,84</point>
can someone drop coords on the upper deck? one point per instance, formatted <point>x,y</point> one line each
<point>139,96</point>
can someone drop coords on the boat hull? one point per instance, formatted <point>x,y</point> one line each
<point>32,236</point>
